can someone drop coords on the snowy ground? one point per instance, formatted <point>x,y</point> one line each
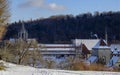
<point>12,69</point>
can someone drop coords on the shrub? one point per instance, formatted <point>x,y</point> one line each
<point>2,67</point>
<point>91,67</point>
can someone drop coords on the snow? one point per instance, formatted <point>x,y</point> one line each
<point>99,46</point>
<point>116,52</point>
<point>113,61</point>
<point>89,43</point>
<point>12,40</point>
<point>92,59</point>
<point>13,69</point>
<point>104,47</point>
<point>53,45</point>
<point>57,53</point>
<point>57,49</point>
<point>115,46</point>
<point>53,49</point>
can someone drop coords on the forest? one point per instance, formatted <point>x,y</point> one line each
<point>64,28</point>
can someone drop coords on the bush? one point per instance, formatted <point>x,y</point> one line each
<point>2,67</point>
<point>96,67</point>
<point>91,67</point>
<point>79,66</point>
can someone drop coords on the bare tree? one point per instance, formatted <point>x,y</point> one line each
<point>4,12</point>
<point>21,51</point>
<point>4,16</point>
<point>34,57</point>
<point>14,52</point>
<point>5,51</point>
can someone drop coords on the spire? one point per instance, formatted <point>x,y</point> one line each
<point>106,35</point>
<point>23,27</point>
<point>23,33</point>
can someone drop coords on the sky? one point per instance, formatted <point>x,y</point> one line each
<point>36,9</point>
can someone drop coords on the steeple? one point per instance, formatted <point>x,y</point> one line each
<point>23,35</point>
<point>106,36</point>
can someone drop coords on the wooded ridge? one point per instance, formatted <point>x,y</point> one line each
<point>63,28</point>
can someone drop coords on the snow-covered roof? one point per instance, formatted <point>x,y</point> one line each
<point>116,52</point>
<point>101,44</point>
<point>104,47</point>
<point>53,45</point>
<point>54,49</point>
<point>58,53</point>
<point>31,39</point>
<point>113,61</point>
<point>58,49</point>
<point>12,40</point>
<point>92,59</point>
<point>115,46</point>
<point>89,43</point>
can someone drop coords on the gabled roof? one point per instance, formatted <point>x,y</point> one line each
<point>101,44</point>
<point>113,61</point>
<point>89,43</point>
<point>84,49</point>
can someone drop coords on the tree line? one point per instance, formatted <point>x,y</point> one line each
<point>64,28</point>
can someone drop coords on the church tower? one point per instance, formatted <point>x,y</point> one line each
<point>23,35</point>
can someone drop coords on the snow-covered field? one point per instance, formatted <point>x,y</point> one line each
<point>12,69</point>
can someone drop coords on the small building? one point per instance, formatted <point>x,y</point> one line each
<point>101,53</point>
<point>88,43</point>
<point>115,60</point>
<point>115,48</point>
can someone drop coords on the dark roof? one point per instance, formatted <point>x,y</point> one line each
<point>85,49</point>
<point>102,43</point>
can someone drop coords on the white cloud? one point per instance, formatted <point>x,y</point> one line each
<point>41,4</point>
<point>54,6</point>
<point>32,3</point>
<point>37,3</point>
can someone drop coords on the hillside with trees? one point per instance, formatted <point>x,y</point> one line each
<point>64,28</point>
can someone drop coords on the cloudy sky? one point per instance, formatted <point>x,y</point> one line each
<point>34,9</point>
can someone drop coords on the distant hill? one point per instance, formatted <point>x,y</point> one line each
<point>63,28</point>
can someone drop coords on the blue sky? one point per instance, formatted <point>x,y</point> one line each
<point>34,9</point>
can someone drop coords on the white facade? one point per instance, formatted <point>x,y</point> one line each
<point>66,49</point>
